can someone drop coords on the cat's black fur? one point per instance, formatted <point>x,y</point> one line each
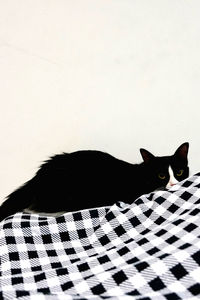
<point>86,179</point>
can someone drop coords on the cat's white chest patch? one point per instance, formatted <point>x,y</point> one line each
<point>172,179</point>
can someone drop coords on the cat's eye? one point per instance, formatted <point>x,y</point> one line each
<point>180,173</point>
<point>161,176</point>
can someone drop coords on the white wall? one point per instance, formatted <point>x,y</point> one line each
<point>112,75</point>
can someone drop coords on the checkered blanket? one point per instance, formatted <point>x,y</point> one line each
<point>147,250</point>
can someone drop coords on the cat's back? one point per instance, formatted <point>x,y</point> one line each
<point>83,161</point>
<point>90,157</point>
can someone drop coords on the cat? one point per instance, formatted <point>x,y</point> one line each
<point>90,178</point>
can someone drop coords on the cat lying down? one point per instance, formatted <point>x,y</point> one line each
<point>87,179</point>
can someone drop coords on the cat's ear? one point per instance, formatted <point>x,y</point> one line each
<point>182,151</point>
<point>146,155</point>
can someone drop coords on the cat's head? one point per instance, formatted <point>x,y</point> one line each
<point>166,171</point>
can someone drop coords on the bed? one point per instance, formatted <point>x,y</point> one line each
<point>149,250</point>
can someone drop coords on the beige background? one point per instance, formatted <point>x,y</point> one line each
<point>112,75</point>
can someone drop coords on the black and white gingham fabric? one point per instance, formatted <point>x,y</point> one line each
<point>147,250</point>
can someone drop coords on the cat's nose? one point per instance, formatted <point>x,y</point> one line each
<point>170,184</point>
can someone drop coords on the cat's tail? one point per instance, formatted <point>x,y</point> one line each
<point>16,201</point>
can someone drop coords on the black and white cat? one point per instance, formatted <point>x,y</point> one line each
<point>88,179</point>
